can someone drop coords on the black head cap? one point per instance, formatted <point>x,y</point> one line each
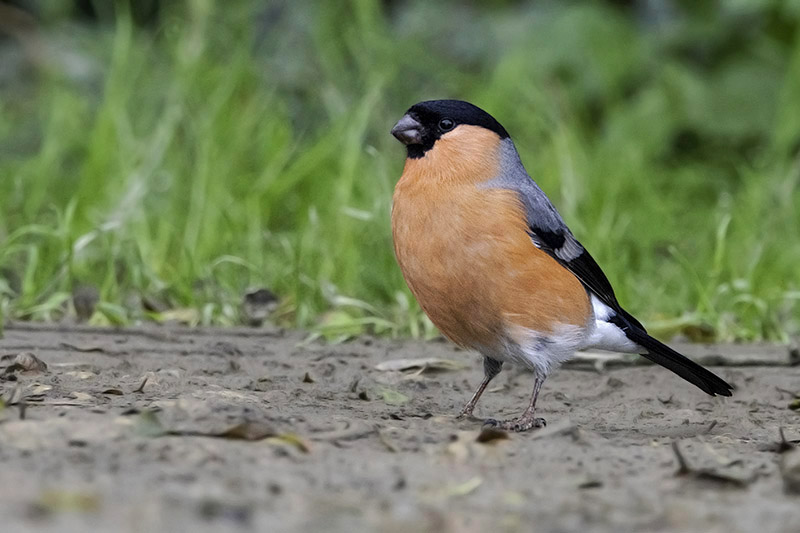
<point>425,122</point>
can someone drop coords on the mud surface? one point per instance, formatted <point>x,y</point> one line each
<point>245,430</point>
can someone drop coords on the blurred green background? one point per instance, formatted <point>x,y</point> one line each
<point>166,158</point>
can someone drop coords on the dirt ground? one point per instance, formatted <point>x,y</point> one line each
<point>157,429</point>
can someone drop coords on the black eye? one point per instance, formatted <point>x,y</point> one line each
<point>446,124</point>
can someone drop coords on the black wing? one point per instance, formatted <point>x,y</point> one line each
<point>565,249</point>
<point>549,233</point>
<point>562,246</point>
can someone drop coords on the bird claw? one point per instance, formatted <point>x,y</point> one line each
<point>465,415</point>
<point>516,424</point>
<point>466,411</point>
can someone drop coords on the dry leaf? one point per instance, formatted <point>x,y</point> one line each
<point>590,483</point>
<point>247,431</point>
<point>77,348</point>
<point>718,475</point>
<point>61,500</point>
<point>292,440</point>
<point>392,397</point>
<point>423,364</point>
<point>26,362</point>
<point>463,489</point>
<point>81,396</point>
<point>81,374</point>
<point>38,389</point>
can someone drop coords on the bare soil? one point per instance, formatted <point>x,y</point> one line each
<point>157,429</point>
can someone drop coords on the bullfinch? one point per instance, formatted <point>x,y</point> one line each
<point>492,263</point>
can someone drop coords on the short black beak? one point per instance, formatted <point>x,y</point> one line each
<point>408,130</point>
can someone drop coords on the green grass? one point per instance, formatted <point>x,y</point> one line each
<point>217,149</point>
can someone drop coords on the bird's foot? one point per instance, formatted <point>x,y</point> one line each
<point>522,423</point>
<point>466,412</point>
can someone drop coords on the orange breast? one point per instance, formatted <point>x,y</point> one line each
<point>467,258</point>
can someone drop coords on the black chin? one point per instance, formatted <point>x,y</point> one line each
<point>416,151</point>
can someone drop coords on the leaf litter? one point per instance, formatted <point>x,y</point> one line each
<point>420,365</point>
<point>393,397</point>
<point>148,424</point>
<point>370,438</point>
<point>25,362</point>
<point>720,476</point>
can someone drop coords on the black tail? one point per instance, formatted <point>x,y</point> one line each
<point>665,356</point>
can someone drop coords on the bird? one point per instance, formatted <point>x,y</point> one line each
<point>492,263</point>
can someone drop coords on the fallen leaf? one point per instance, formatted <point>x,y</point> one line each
<point>465,488</point>
<point>291,440</point>
<point>392,397</point>
<point>721,476</point>
<point>39,389</point>
<point>62,500</point>
<point>77,348</point>
<point>247,431</point>
<point>590,484</point>
<point>26,362</point>
<point>81,374</point>
<point>423,364</point>
<point>81,396</point>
